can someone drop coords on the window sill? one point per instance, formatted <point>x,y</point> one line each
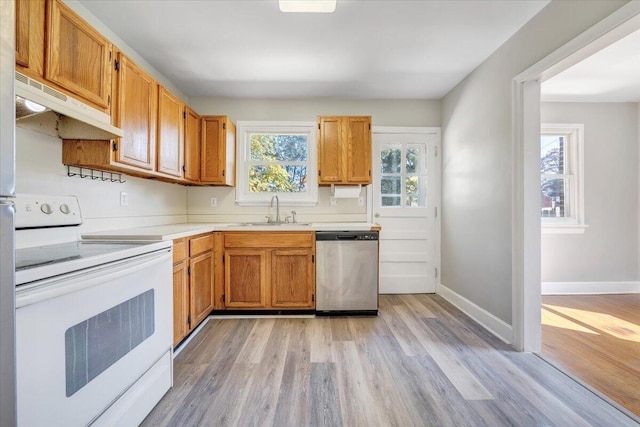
<point>563,228</point>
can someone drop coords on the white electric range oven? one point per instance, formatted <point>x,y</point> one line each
<point>93,321</point>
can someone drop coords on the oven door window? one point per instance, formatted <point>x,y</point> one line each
<point>95,344</point>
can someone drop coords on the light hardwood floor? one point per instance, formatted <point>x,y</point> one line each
<point>597,339</point>
<point>421,362</point>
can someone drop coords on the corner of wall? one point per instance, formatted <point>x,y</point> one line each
<point>491,323</point>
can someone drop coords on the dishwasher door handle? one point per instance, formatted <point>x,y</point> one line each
<point>347,237</point>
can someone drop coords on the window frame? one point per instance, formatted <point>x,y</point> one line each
<point>403,174</point>
<point>574,161</point>
<point>244,197</point>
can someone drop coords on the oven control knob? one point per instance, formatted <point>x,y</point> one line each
<point>64,208</point>
<point>46,208</point>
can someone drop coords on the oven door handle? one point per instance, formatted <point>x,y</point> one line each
<point>72,282</point>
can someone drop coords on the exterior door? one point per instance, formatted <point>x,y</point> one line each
<point>406,198</point>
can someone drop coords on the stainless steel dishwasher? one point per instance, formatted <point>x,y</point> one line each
<point>347,272</point>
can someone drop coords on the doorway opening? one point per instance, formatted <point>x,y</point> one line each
<point>562,247</point>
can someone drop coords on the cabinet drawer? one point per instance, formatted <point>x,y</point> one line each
<point>252,239</point>
<point>200,244</point>
<point>179,250</point>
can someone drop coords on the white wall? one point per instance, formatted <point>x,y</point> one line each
<point>383,112</point>
<point>608,250</point>
<point>478,160</point>
<point>39,170</point>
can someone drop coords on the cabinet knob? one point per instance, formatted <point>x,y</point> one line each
<point>377,215</point>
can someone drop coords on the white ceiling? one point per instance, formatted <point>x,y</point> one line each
<point>366,49</point>
<point>610,75</point>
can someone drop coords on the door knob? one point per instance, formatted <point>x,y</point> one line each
<point>377,215</point>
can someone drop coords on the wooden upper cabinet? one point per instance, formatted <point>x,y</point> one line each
<point>191,145</point>
<point>330,150</point>
<point>358,150</point>
<point>344,150</point>
<point>30,24</point>
<point>135,112</point>
<point>170,133</point>
<point>217,151</point>
<point>78,57</point>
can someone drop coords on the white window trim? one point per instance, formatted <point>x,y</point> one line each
<point>244,197</point>
<point>576,223</point>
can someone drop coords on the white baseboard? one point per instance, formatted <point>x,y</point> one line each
<point>496,326</point>
<point>589,288</point>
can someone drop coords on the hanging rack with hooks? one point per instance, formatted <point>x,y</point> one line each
<point>94,174</point>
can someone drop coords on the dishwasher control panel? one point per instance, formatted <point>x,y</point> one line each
<point>346,235</point>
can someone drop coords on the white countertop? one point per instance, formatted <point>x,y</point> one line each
<point>177,231</point>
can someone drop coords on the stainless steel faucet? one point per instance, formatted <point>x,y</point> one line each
<point>277,207</point>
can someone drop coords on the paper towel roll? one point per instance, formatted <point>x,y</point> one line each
<point>346,191</point>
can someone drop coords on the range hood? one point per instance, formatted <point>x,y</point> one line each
<point>62,116</point>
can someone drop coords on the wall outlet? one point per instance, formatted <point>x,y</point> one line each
<point>214,202</point>
<point>333,201</point>
<point>361,201</point>
<point>124,199</point>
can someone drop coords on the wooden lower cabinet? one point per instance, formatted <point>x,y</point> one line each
<point>193,279</point>
<point>245,278</point>
<point>180,302</point>
<point>270,270</point>
<point>292,278</point>
<point>201,286</point>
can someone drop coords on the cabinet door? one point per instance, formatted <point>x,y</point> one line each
<point>78,57</point>
<point>358,150</point>
<point>292,278</point>
<point>30,37</point>
<point>245,280</point>
<point>170,133</point>
<point>135,112</point>
<point>217,151</point>
<point>181,325</point>
<point>201,287</point>
<point>192,145</point>
<point>330,150</point>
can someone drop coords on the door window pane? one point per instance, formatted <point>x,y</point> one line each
<point>390,201</point>
<point>416,191</point>
<point>390,185</point>
<point>404,175</point>
<point>416,159</point>
<point>391,159</point>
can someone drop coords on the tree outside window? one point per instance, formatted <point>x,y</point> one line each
<point>561,182</point>
<point>278,163</point>
<point>277,158</point>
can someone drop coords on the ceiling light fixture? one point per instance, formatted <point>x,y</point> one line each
<point>317,6</point>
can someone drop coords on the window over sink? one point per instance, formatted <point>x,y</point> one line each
<point>277,158</point>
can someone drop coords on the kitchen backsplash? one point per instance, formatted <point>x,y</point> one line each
<point>200,210</point>
<point>40,171</point>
